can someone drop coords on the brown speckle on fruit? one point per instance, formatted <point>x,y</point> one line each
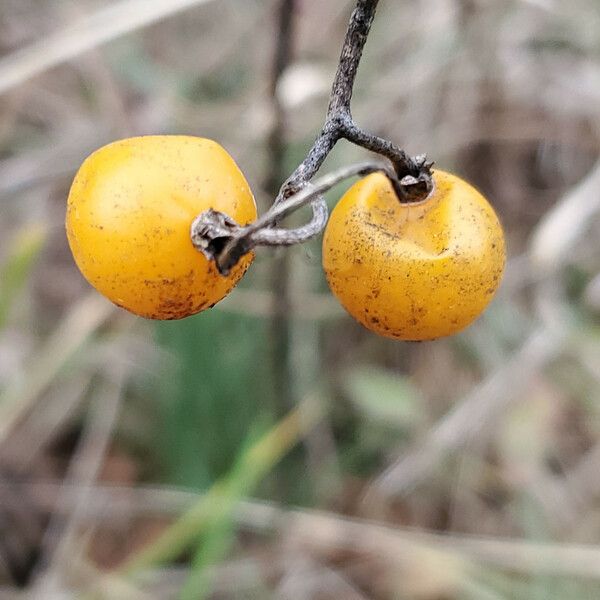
<point>425,270</point>
<point>137,250</point>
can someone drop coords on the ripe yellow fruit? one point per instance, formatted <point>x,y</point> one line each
<point>128,222</point>
<point>414,271</point>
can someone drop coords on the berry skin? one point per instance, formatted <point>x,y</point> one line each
<point>414,271</point>
<point>128,222</point>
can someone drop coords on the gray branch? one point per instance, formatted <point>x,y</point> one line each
<point>221,239</point>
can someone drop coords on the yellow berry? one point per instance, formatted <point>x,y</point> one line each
<point>414,271</point>
<point>128,222</point>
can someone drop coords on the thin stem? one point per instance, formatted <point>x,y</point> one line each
<point>216,227</point>
<point>282,58</point>
<point>356,38</point>
<point>279,322</point>
<point>402,162</point>
<point>322,185</point>
<point>339,103</point>
<point>307,169</point>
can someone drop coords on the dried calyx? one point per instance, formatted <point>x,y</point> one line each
<point>220,239</point>
<point>415,188</point>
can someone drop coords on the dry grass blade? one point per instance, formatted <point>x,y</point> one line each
<point>319,530</point>
<point>83,470</point>
<point>26,443</point>
<point>471,416</point>
<point>306,578</point>
<point>95,29</point>
<point>81,321</point>
<point>565,224</point>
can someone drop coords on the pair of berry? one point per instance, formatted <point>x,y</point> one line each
<point>410,271</point>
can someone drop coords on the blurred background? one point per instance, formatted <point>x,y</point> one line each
<point>272,447</point>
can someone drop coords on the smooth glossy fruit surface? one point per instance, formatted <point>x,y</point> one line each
<point>414,271</point>
<point>128,222</point>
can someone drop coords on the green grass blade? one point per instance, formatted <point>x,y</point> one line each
<point>220,499</point>
<point>16,270</point>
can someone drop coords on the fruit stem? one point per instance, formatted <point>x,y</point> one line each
<point>411,178</point>
<point>229,242</point>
